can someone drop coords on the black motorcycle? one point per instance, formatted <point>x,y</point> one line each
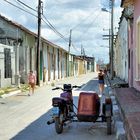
<point>88,109</point>
<point>62,107</point>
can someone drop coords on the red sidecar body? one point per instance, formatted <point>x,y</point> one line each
<point>88,107</point>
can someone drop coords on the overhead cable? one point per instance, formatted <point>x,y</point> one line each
<point>85,19</point>
<point>87,29</point>
<point>26,5</point>
<point>53,28</point>
<point>20,8</point>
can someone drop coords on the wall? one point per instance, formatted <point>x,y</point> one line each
<point>136,82</point>
<point>124,49</point>
<point>27,56</point>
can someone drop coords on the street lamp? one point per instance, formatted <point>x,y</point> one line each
<point>69,52</point>
<point>108,36</point>
<point>111,34</point>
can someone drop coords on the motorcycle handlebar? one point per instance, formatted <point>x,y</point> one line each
<point>76,86</point>
<point>56,88</point>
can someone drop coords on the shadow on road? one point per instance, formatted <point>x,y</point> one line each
<point>39,130</point>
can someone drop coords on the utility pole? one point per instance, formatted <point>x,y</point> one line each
<point>38,42</point>
<point>70,40</point>
<point>81,50</point>
<point>112,39</point>
<point>69,52</point>
<point>109,46</point>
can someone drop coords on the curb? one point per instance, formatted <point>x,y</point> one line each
<point>118,123</point>
<point>10,93</point>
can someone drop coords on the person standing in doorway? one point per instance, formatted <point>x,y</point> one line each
<point>32,82</point>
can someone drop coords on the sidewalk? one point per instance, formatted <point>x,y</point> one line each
<point>128,100</point>
<point>129,103</point>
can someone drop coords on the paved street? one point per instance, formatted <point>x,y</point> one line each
<point>24,117</point>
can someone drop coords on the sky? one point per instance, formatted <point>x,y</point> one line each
<point>84,17</point>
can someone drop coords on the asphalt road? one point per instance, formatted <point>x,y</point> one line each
<point>24,117</point>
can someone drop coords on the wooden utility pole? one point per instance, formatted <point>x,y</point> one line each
<point>69,53</point>
<point>70,40</point>
<point>81,50</point>
<point>38,42</point>
<point>112,39</point>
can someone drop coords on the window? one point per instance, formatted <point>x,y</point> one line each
<point>7,63</point>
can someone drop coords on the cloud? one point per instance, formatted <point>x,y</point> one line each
<point>85,18</point>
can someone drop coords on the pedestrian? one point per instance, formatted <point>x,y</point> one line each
<point>32,82</point>
<point>101,89</point>
<point>101,81</point>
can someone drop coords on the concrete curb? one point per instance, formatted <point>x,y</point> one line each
<point>118,124</point>
<point>10,94</point>
<point>120,132</point>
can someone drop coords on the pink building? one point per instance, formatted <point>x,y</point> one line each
<point>133,16</point>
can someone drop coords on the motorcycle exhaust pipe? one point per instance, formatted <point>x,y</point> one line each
<point>67,122</point>
<point>50,121</point>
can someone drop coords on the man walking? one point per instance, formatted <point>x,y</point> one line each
<point>32,82</point>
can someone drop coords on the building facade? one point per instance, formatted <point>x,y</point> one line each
<point>18,54</point>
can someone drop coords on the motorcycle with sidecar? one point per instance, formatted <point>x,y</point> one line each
<point>88,109</point>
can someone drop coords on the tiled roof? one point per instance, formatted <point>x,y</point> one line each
<point>28,31</point>
<point>125,3</point>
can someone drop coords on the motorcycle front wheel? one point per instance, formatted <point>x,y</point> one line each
<point>58,125</point>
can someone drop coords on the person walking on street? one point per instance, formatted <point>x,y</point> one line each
<point>32,82</point>
<point>101,81</point>
<point>101,89</point>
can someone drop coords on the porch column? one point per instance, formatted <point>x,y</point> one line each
<point>17,76</point>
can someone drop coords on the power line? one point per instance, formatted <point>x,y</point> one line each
<point>53,28</point>
<point>82,21</point>
<point>85,19</point>
<point>87,29</point>
<point>59,34</point>
<point>74,47</point>
<point>46,20</point>
<point>26,5</point>
<point>20,8</point>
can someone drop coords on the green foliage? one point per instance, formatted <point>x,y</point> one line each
<point>7,90</point>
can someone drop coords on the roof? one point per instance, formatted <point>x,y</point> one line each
<point>18,25</point>
<point>29,32</point>
<point>125,3</point>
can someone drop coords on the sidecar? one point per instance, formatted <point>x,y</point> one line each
<point>89,109</point>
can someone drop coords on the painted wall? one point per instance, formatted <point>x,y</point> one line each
<point>53,57</point>
<point>27,56</point>
<point>123,35</point>
<point>130,52</point>
<point>136,67</point>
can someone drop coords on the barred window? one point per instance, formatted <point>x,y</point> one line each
<point>7,63</point>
